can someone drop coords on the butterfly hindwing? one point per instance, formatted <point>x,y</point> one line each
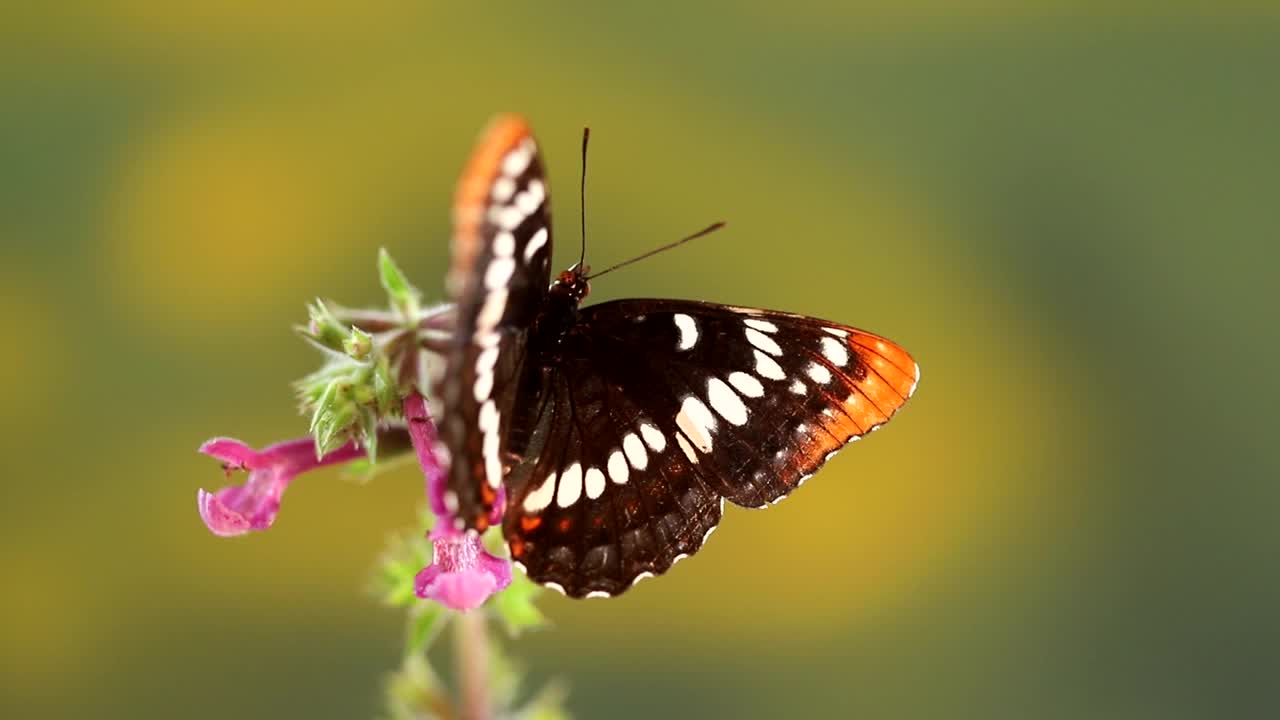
<point>652,411</point>
<point>497,279</point>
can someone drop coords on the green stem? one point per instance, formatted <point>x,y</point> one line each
<point>471,653</point>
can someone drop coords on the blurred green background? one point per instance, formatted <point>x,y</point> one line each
<point>1067,211</point>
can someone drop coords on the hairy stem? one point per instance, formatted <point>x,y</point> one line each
<point>471,653</point>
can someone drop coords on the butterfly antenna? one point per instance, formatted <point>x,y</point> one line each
<point>704,231</point>
<point>582,197</point>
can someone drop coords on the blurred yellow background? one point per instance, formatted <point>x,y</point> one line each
<point>1068,215</point>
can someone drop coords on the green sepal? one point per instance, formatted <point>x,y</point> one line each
<point>385,392</point>
<point>358,344</point>
<point>403,296</point>
<point>369,432</point>
<point>324,329</point>
<point>323,406</point>
<point>332,428</point>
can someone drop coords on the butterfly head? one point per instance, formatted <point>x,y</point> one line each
<point>572,284</point>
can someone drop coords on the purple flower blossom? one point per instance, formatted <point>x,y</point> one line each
<point>253,506</point>
<point>462,574</point>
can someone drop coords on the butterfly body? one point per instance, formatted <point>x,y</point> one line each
<point>618,430</point>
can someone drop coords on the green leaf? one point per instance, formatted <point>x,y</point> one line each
<point>515,608</point>
<point>415,691</point>
<point>406,553</point>
<point>548,704</point>
<point>426,620</point>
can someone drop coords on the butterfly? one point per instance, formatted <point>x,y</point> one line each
<point>616,431</point>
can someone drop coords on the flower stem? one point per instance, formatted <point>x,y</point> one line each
<point>471,653</point>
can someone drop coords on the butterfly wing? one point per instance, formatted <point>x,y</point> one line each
<point>498,277</point>
<point>655,411</point>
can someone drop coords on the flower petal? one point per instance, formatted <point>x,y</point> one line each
<point>230,451</point>
<point>463,574</point>
<point>220,519</point>
<point>238,509</point>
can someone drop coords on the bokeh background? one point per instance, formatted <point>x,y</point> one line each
<point>1067,211</point>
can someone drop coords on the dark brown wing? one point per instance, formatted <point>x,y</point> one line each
<point>499,275</point>
<point>654,411</point>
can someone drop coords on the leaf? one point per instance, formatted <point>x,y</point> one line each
<point>515,608</point>
<point>426,620</point>
<point>406,554</point>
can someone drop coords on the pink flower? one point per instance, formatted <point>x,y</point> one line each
<point>253,506</point>
<point>462,574</point>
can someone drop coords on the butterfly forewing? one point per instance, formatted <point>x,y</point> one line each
<point>498,278</point>
<point>651,411</point>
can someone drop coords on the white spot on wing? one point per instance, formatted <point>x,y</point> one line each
<point>653,437</point>
<point>504,244</point>
<point>764,325</point>
<point>503,187</point>
<point>518,159</point>
<point>597,594</point>
<point>642,576</point>
<point>726,402</point>
<point>797,387</point>
<point>555,586</point>
<point>488,421</point>
<point>488,418</point>
<point>836,331</point>
<point>687,449</point>
<point>539,499</point>
<point>487,359</point>
<point>531,199</point>
<point>483,386</point>
<point>499,272</point>
<point>634,449</point>
<point>697,423</point>
<point>495,303</point>
<point>570,486</point>
<point>508,217</point>
<point>688,331</point>
<point>746,384</point>
<point>593,483</point>
<point>535,243</point>
<point>766,367</point>
<point>835,351</point>
<point>764,342</point>
<point>819,373</point>
<point>618,471</point>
